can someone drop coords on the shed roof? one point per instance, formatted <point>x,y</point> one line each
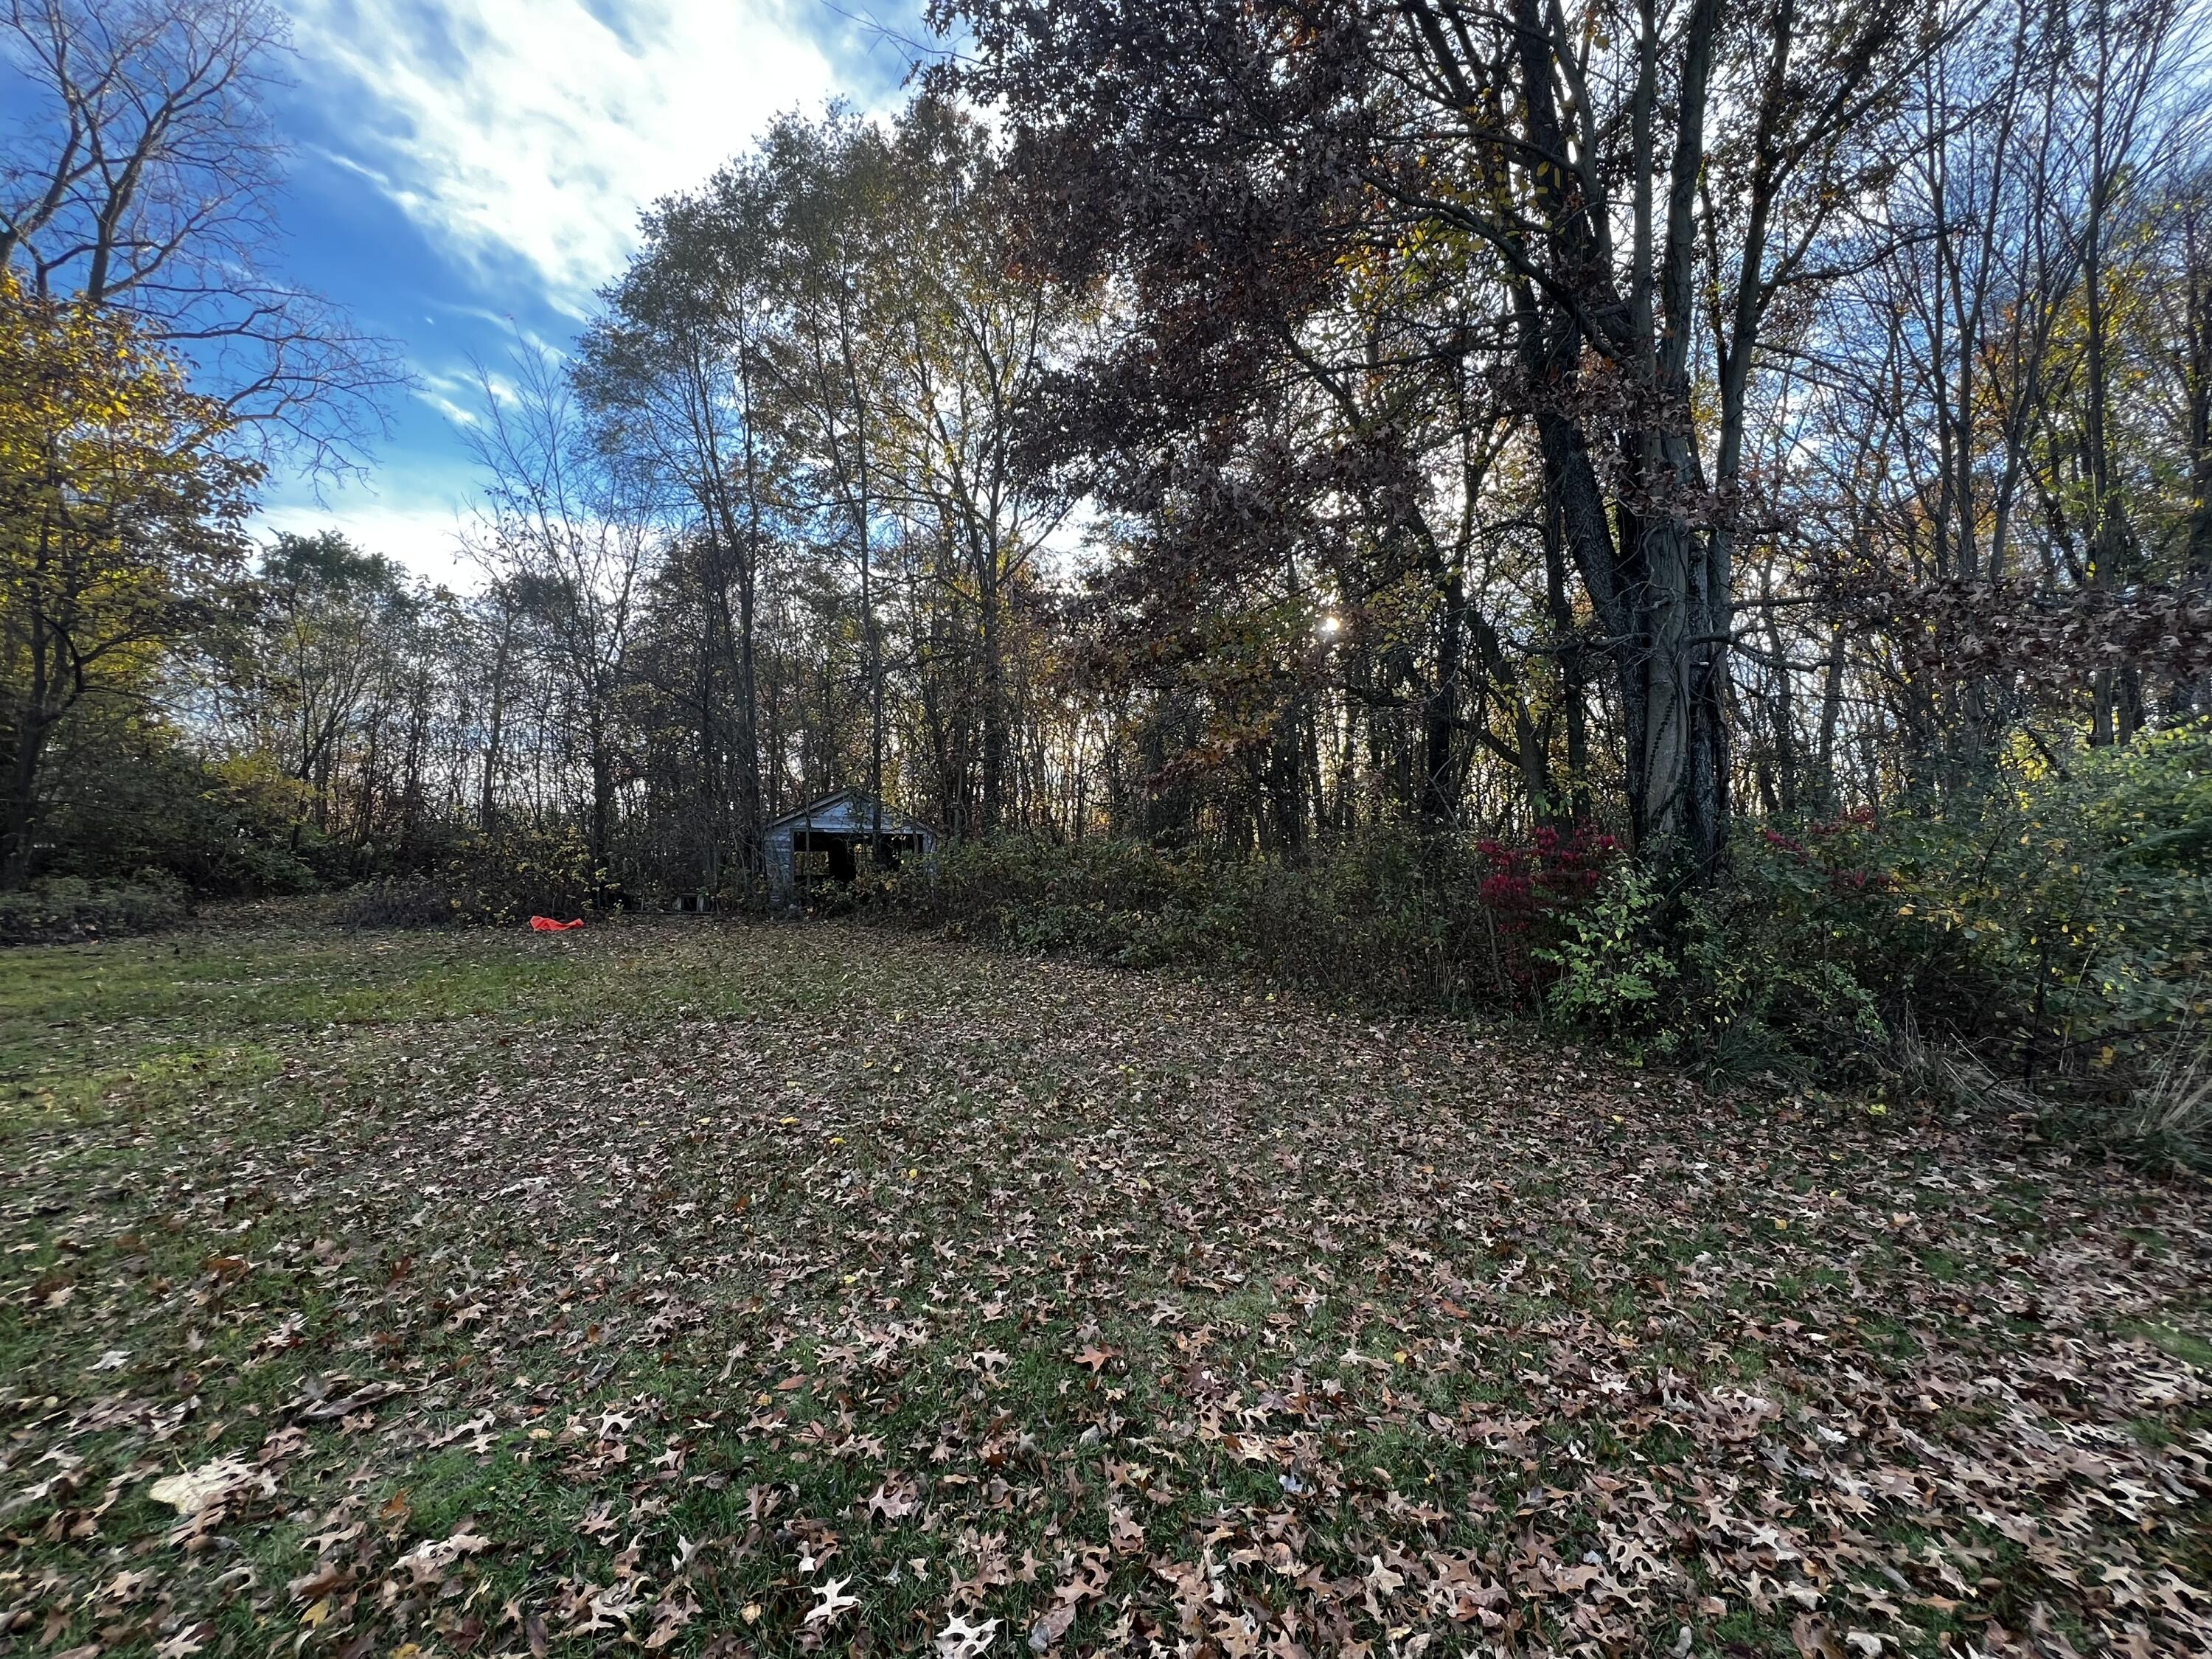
<point>847,810</point>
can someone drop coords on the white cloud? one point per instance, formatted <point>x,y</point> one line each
<point>458,395</point>
<point>533,132</point>
<point>422,533</point>
<point>453,396</point>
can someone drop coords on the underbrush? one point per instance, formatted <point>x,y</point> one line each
<point>2041,944</point>
<point>2051,930</point>
<point>1395,918</point>
<point>482,879</point>
<point>70,908</point>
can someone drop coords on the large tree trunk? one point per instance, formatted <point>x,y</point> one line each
<point>602,797</point>
<point>749,744</point>
<point>1832,708</point>
<point>1439,802</point>
<point>31,731</point>
<point>1568,660</point>
<point>2197,323</point>
<point>988,602</point>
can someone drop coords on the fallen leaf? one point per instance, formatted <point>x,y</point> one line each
<point>834,1601</point>
<point>209,1483</point>
<point>961,1639</point>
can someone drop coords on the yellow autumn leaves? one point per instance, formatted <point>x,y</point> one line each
<point>116,488</point>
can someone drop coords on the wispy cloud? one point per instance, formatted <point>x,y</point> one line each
<point>416,518</point>
<point>525,135</point>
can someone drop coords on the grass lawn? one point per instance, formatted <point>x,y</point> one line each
<point>703,1287</point>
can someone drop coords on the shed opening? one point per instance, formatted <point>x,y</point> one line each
<point>829,840</point>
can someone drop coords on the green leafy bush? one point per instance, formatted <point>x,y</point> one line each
<point>70,908</point>
<point>406,902</point>
<point>139,799</point>
<point>1118,901</point>
<point>2051,929</point>
<point>1614,970</point>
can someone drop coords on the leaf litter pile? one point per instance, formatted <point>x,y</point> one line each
<point>796,1290</point>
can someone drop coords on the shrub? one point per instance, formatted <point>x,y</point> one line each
<point>406,902</point>
<point>493,878</point>
<point>1397,918</point>
<point>1779,961</point>
<point>68,908</point>
<point>2057,924</point>
<point>1610,957</point>
<point>1118,901</point>
<point>149,804</point>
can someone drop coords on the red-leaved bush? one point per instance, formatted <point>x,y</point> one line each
<point>1527,885</point>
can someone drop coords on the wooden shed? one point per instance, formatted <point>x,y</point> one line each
<point>827,839</point>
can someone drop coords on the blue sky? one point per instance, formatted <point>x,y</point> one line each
<point>463,169</point>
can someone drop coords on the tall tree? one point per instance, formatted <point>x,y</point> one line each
<point>568,535</point>
<point>121,509</point>
<point>676,368</point>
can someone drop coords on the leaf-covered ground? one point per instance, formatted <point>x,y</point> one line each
<point>693,1287</point>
